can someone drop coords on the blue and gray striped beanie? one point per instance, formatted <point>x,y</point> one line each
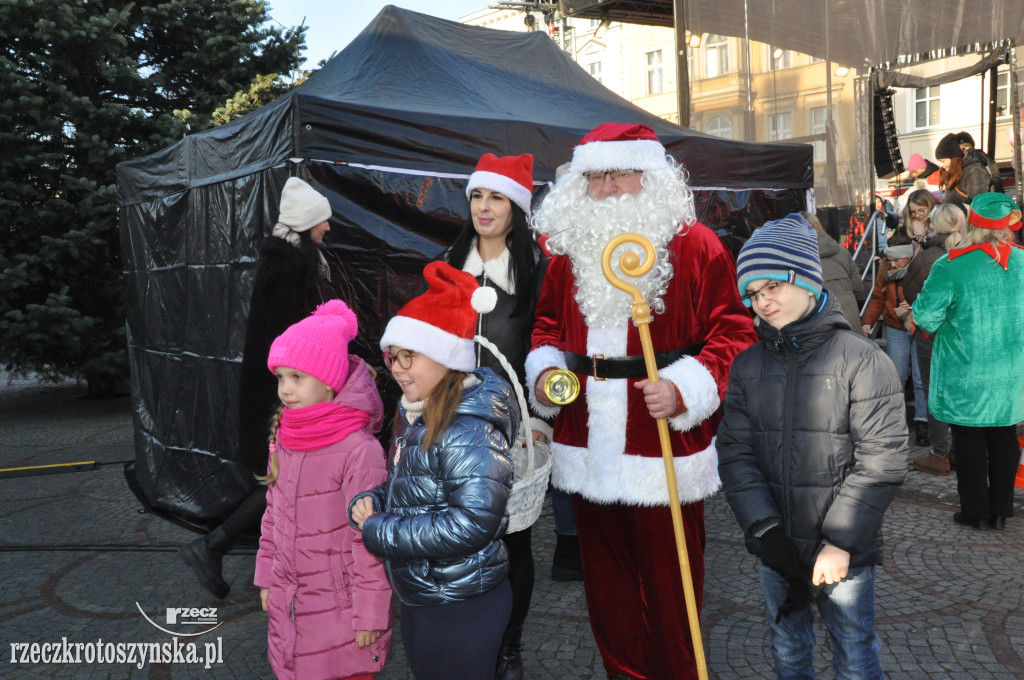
<point>782,250</point>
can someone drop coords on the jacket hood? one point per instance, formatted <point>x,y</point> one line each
<point>360,392</point>
<point>808,332</point>
<point>827,246</point>
<point>975,157</point>
<point>493,400</point>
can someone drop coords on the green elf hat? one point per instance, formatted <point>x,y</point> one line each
<point>994,211</point>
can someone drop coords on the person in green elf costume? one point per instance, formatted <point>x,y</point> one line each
<point>973,302</point>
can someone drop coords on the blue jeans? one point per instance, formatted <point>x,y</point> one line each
<point>848,611</point>
<point>901,347</point>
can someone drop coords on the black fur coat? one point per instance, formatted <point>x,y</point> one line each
<point>284,292</point>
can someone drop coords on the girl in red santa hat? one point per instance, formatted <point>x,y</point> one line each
<point>439,519</point>
<point>497,247</point>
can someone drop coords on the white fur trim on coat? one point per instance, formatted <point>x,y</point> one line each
<point>537,361</point>
<point>502,184</point>
<point>601,475</point>
<point>496,269</point>
<point>699,390</point>
<point>443,347</point>
<point>637,154</point>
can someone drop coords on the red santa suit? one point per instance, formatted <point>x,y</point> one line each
<point>608,455</point>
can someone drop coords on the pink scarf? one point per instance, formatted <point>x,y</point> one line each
<point>314,427</point>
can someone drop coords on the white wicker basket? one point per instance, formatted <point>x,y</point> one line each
<point>531,460</point>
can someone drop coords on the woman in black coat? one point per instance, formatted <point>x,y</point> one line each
<point>497,247</point>
<point>285,290</point>
<point>964,174</point>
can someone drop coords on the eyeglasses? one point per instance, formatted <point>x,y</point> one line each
<point>613,175</point>
<point>768,290</point>
<point>403,358</point>
<point>919,212</point>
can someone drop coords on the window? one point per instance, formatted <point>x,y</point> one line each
<point>818,127</point>
<point>719,126</point>
<point>655,73</point>
<point>1002,94</point>
<point>780,126</point>
<point>783,58</point>
<point>926,107</point>
<point>595,71</point>
<point>716,56</point>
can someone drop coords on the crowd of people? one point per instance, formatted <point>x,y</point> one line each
<point>766,388</point>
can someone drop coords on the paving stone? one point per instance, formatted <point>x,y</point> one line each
<point>76,555</point>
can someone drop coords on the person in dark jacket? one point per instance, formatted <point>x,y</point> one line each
<point>285,290</point>
<point>497,247</point>
<point>812,449</point>
<point>966,142</point>
<point>945,220</point>
<point>963,176</point>
<point>438,520</point>
<point>839,273</point>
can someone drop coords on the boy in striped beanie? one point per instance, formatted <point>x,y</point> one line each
<point>812,449</point>
<point>783,251</point>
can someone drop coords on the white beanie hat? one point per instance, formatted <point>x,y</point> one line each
<point>302,206</point>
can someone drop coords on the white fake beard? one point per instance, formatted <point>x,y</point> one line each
<point>658,212</point>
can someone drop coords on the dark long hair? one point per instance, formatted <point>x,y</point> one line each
<point>524,256</point>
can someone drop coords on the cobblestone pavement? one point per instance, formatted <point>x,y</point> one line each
<point>79,559</point>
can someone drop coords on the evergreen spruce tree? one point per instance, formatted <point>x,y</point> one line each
<point>84,85</point>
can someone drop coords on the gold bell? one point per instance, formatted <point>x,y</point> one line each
<point>562,387</point>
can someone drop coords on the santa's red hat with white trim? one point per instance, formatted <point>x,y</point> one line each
<point>440,323</point>
<point>619,146</point>
<point>508,175</point>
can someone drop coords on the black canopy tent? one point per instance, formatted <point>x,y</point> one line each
<point>389,130</point>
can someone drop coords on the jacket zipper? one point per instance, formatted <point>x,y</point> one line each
<point>399,444</point>
<point>787,433</point>
<point>480,327</point>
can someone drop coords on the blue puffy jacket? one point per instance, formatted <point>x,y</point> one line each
<point>441,514</point>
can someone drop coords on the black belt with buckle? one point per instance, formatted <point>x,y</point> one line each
<point>624,367</point>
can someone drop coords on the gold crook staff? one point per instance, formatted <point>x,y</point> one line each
<point>631,266</point>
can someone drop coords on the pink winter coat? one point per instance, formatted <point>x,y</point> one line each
<point>323,583</point>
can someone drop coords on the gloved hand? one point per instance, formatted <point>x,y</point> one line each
<point>779,553</point>
<point>799,596</point>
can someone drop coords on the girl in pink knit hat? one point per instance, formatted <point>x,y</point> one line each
<point>328,601</point>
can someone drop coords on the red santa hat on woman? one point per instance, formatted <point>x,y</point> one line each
<point>441,323</point>
<point>508,175</point>
<point>619,146</point>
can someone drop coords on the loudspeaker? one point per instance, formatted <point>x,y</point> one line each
<point>888,160</point>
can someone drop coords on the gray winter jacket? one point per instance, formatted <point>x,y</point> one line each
<point>814,437</point>
<point>441,514</point>
<point>841,276</point>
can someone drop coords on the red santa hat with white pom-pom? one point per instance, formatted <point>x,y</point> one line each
<point>619,146</point>
<point>440,323</point>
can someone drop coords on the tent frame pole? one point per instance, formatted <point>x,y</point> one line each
<point>1015,109</point>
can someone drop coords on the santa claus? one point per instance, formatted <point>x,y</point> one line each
<point>606,448</point>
